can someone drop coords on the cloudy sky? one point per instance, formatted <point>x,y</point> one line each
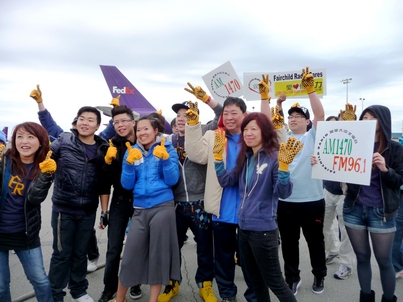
<point>161,45</point>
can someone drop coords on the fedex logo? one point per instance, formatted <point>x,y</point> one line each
<point>124,90</point>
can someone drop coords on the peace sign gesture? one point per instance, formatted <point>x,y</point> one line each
<point>198,92</point>
<point>264,88</point>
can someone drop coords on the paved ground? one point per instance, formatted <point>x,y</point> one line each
<point>335,290</point>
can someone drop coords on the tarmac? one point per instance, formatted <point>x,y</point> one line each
<point>335,290</point>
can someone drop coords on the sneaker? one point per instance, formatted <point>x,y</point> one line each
<point>92,265</point>
<point>228,299</point>
<point>207,293</point>
<point>294,286</point>
<point>170,291</point>
<point>84,298</point>
<point>399,274</point>
<point>135,292</point>
<point>343,272</point>
<point>330,258</point>
<point>124,240</point>
<point>318,285</point>
<point>105,297</point>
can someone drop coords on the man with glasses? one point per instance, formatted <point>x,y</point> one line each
<point>305,208</point>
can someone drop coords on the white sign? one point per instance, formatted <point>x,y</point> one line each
<point>251,85</point>
<point>223,82</point>
<point>344,151</point>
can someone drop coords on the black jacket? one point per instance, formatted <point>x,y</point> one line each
<point>77,179</point>
<point>392,179</point>
<point>36,194</point>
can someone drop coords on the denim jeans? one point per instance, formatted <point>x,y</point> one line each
<point>32,262</point>
<point>119,213</point>
<point>68,265</point>
<point>224,235</point>
<point>187,216</point>
<point>259,252</point>
<point>93,251</point>
<point>397,251</point>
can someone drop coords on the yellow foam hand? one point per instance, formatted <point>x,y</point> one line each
<point>159,111</point>
<point>264,88</point>
<point>133,154</point>
<point>276,118</point>
<point>110,153</point>
<point>115,101</point>
<point>192,114</point>
<point>160,151</point>
<point>36,94</point>
<point>48,165</point>
<point>198,92</point>
<point>220,141</point>
<point>307,80</point>
<point>349,113</point>
<point>287,152</point>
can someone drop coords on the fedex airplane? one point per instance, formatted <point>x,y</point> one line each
<point>118,84</point>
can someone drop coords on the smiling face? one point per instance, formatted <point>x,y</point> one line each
<point>27,144</point>
<point>146,133</point>
<point>87,124</point>
<point>252,135</point>
<point>124,126</point>
<point>232,118</point>
<point>181,120</point>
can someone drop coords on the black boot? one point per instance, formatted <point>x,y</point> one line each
<point>367,297</point>
<point>394,299</point>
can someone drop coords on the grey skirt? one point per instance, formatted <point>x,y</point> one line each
<point>151,254</point>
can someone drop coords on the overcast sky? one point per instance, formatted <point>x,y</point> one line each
<point>161,45</point>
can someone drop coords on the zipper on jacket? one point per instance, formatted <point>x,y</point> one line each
<point>246,194</point>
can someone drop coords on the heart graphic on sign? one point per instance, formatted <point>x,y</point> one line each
<point>295,86</point>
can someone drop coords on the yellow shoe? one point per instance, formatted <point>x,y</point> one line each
<point>170,291</point>
<point>207,293</point>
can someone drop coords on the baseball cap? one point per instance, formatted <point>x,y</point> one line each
<point>300,109</point>
<point>179,106</point>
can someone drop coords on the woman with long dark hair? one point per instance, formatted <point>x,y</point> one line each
<point>26,173</point>
<point>369,211</point>
<point>262,174</point>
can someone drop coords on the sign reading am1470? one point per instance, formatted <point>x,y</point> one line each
<point>344,151</point>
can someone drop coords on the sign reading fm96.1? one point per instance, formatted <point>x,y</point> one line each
<point>344,150</point>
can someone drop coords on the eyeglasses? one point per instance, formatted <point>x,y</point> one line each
<point>116,123</point>
<point>297,116</point>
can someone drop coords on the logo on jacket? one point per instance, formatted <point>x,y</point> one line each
<point>259,169</point>
<point>16,185</point>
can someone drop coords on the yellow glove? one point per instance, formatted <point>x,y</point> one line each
<point>349,113</point>
<point>219,145</point>
<point>276,118</point>
<point>264,88</point>
<point>159,111</point>
<point>160,151</point>
<point>48,165</point>
<point>115,101</point>
<point>192,114</point>
<point>307,80</point>
<point>133,154</point>
<point>287,152</point>
<point>36,94</point>
<point>198,92</point>
<point>2,147</point>
<point>110,153</point>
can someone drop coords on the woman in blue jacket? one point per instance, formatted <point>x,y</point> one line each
<point>26,173</point>
<point>263,177</point>
<point>150,169</point>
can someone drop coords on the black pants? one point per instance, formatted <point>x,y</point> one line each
<point>291,218</point>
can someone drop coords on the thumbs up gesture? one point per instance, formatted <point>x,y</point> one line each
<point>48,165</point>
<point>160,151</point>
<point>110,153</point>
<point>36,94</point>
<point>133,154</point>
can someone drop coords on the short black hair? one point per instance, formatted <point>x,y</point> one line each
<point>121,110</point>
<point>235,101</point>
<point>90,109</point>
<point>332,117</point>
<point>173,122</point>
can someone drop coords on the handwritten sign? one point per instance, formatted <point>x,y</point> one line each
<point>223,82</point>
<point>344,151</point>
